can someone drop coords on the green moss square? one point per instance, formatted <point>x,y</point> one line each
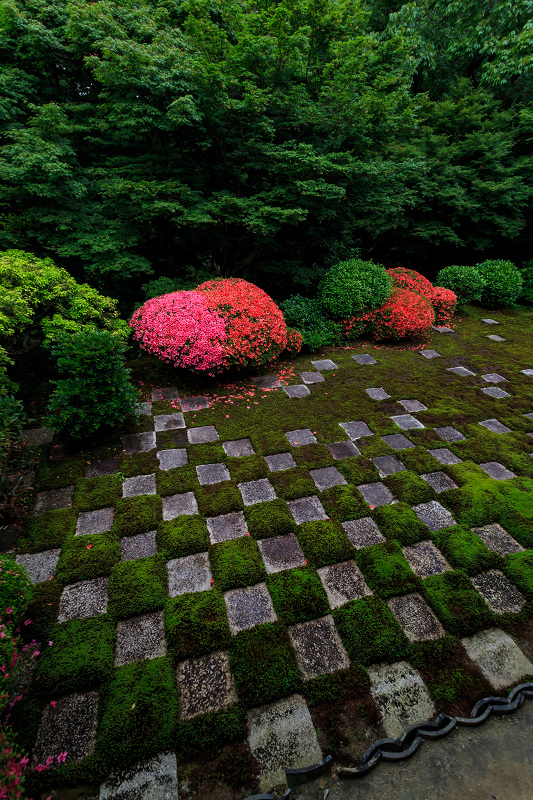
<point>196,624</point>
<point>401,523</point>
<point>360,470</point>
<point>182,536</point>
<point>86,557</point>
<point>519,569</point>
<point>219,498</point>
<point>269,519</point>
<point>370,632</point>
<point>417,459</point>
<point>263,665</point>
<point>324,542</point>
<point>297,595</point>
<point>176,481</point>
<point>236,563</point>
<point>374,446</point>
<point>292,484</point>
<point>209,732</point>
<point>48,531</point>
<point>139,712</point>
<point>137,587</point>
<point>409,488</point>
<point>139,464</point>
<point>247,468</point>
<point>456,603</point>
<point>94,493</point>
<point>465,550</point>
<point>42,610</point>
<point>466,472</point>
<point>386,570</point>
<point>208,453</point>
<point>268,442</point>
<point>137,514</point>
<point>81,655</point>
<point>313,456</point>
<point>58,474</point>
<point>342,503</point>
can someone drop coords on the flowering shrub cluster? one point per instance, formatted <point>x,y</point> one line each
<point>294,341</point>
<point>412,280</point>
<point>405,313</point>
<point>444,302</point>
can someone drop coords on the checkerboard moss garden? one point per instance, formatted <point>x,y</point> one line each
<point>197,572</point>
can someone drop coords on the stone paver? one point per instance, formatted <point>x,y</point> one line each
<point>463,371</point>
<point>412,406</point>
<point>529,416</point>
<point>280,462</point>
<point>68,726</point>
<point>449,434</point>
<point>194,403</point>
<point>528,372</point>
<point>497,471</point>
<point>53,499</point>
<point>202,435</point>
<point>212,473</point>
<point>267,382</point>
<point>39,566</point>
<point>376,494</point>
<point>248,607</point>
<point>169,422</point>
<point>363,532</point>
<point>364,358</point>
<point>495,426</point>
<point>205,685</point>
<point>139,442</point>
<point>226,526</point>
<point>281,736</point>
<point>143,545</point>
<point>490,321</point>
<point>442,328</point>
<point>166,394</point>
<point>401,696</point>
<point>98,521</point>
<point>343,582</point>
<point>327,477</point>
<point>301,437</point>
<point>172,459</point>
<point>377,393</point>
<point>439,481</point>
<point>139,484</point>
<point>153,779</point>
<point>429,354</point>
<point>97,469</point>
<point>143,409</point>
<point>307,509</point>
<point>499,594</point>
<point>496,338</point>
<point>398,441</point>
<point>281,552</point>
<point>425,559</point>
<point>499,658</point>
<point>140,638</point>
<point>189,574</point>
<point>356,430</point>
<point>312,377</point>
<point>493,377</point>
<point>345,449</point>
<point>445,456</point>
<point>497,539</point>
<point>36,437</point>
<point>496,392</point>
<point>387,465</point>
<point>407,422</point>
<point>83,600</point>
<point>416,618</point>
<point>238,448</point>
<point>253,492</point>
<point>325,364</point>
<point>318,647</point>
<point>434,515</point>
<point>177,504</point>
<point>300,390</point>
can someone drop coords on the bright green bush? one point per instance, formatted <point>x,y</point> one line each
<point>503,282</point>
<point>354,286</point>
<point>466,282</point>
<point>526,271</point>
<point>307,316</point>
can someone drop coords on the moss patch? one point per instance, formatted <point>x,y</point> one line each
<point>209,732</point>
<point>137,515</point>
<point>293,483</point>
<point>208,453</point>
<point>370,632</point>
<point>139,464</point>
<point>47,531</point>
<point>247,468</point>
<point>237,563</point>
<point>269,519</point>
<point>182,536</point>
<point>219,498</point>
<point>342,503</point>
<point>297,595</point>
<point>85,557</point>
<point>386,570</point>
<point>57,474</point>
<point>360,470</point>
<point>420,461</point>
<point>96,493</point>
<point>137,587</point>
<point>400,522</point>
<point>196,624</point>
<point>464,550</point>
<point>409,488</point>
<point>313,456</point>
<point>324,542</point>
<point>456,603</point>
<point>176,481</point>
<point>519,569</point>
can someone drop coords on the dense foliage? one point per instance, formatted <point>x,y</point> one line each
<point>353,287</point>
<point>16,460</point>
<point>466,282</point>
<point>503,282</point>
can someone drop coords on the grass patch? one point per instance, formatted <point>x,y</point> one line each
<point>237,563</point>
<point>297,595</point>
<point>137,587</point>
<point>370,632</point>
<point>196,624</point>
<point>324,542</point>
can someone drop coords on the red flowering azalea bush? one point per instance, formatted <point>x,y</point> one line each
<point>444,302</point>
<point>412,280</point>
<point>405,313</point>
<point>294,341</point>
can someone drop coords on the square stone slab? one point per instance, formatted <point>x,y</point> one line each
<point>416,618</point>
<point>529,416</point>
<point>387,465</point>
<point>35,437</point>
<point>493,377</point>
<point>212,473</point>
<point>98,521</point>
<point>343,582</point>
<point>312,377</point>
<point>193,403</point>
<point>442,328</point>
<point>280,462</point>
<point>490,321</point>
<point>407,422</point>
<point>376,494</point>
<point>300,390</point>
<point>202,435</point>
<point>363,358</point>
<point>499,658</point>
<point>363,532</point>
<point>139,484</point>
<point>253,492</point>
<point>69,726</point>
<point>189,574</point>
<point>169,422</point>
<point>413,406</point>
<point>97,469</point>
<point>345,449</point>
<point>434,515</point>
<point>226,526</point>
<point>248,607</point>
<point>143,545</point>
<point>178,504</point>
<point>172,459</point>
<point>449,434</point>
<point>153,779</point>
<point>238,448</point>
<point>377,393</point>
<point>463,371</point>
<point>425,559</point>
<point>497,471</point>
<point>401,696</point>
<point>53,499</point>
<point>307,509</point>
<point>281,552</point>
<point>267,382</point>
<point>445,456</point>
<point>429,353</point>
<point>325,364</point>
<point>166,393</point>
<point>496,338</point>
<point>500,595</point>
<point>84,599</point>
<point>139,442</point>
<point>398,441</point>
<point>143,409</point>
<point>281,736</point>
<point>356,430</point>
<point>439,481</point>
<point>301,437</point>
<point>497,539</point>
<point>39,566</point>
<point>205,685</point>
<point>318,647</point>
<point>327,477</point>
<point>140,638</point>
<point>495,391</point>
<point>495,426</point>
<point>528,372</point>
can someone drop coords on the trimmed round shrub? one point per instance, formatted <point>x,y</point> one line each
<point>405,313</point>
<point>526,296</point>
<point>307,316</point>
<point>353,287</point>
<point>503,282</point>
<point>412,280</point>
<point>444,303</point>
<point>466,282</point>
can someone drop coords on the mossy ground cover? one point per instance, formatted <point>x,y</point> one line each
<point>139,703</point>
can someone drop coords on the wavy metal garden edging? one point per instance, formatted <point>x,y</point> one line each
<point>409,742</point>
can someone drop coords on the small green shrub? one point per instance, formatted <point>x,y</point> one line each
<point>526,271</point>
<point>47,531</point>
<point>16,589</point>
<point>138,587</point>
<point>464,550</point>
<point>400,522</point>
<point>196,624</point>
<point>237,563</point>
<point>324,542</point>
<point>86,557</point>
<point>503,282</point>
<point>386,570</point>
<point>96,493</point>
<point>307,316</point>
<point>292,484</point>
<point>297,595</point>
<point>182,536</point>
<point>369,631</point>
<point>137,514</point>
<point>342,503</point>
<point>269,519</point>
<point>456,603</point>
<point>354,286</point>
<point>219,498</point>
<point>466,282</point>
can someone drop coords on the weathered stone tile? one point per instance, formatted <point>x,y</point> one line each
<point>445,456</point>
<point>300,390</point>
<point>377,393</point>
<point>497,539</point>
<point>253,492</point>
<point>496,392</point>
<point>499,594</point>
<point>312,377</point>
<point>439,481</point>
<point>528,372</point>
<point>39,566</point>
<point>139,484</point>
<point>493,377</point>
<point>301,437</point>
<point>212,473</point>
<point>449,434</point>
<point>139,442</point>
<point>529,416</point>
<point>412,406</point>
<point>68,727</point>
<point>318,647</point>
<point>194,403</point>
<point>143,545</point>
<point>280,462</point>
<point>153,779</point>
<point>238,448</point>
<point>364,358</point>
<point>53,499</point>
<point>189,574</point>
<point>169,422</point>
<point>401,696</point>
<point>387,465</point>
<point>343,582</point>
<point>497,471</point>
<point>363,532</point>
<point>202,435</point>
<point>429,353</point>
<point>84,599</point>
<point>490,321</point>
<point>35,437</point>
<point>425,559</point>
<point>281,552</point>
<point>327,477</point>
<point>140,638</point>
<point>495,426</point>
<point>407,422</point>
<point>307,509</point>
<point>442,328</point>
<point>98,521</point>
<point>281,736</point>
<point>397,441</point>
<point>463,371</point>
<point>325,364</point>
<point>248,607</point>
<point>226,526</point>
<point>356,430</point>
<point>205,685</point>
<point>267,382</point>
<point>376,494</point>
<point>177,504</point>
<point>166,394</point>
<point>434,515</point>
<point>143,409</point>
<point>416,618</point>
<point>496,338</point>
<point>97,469</point>
<point>345,449</point>
<point>498,657</point>
<point>172,459</point>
